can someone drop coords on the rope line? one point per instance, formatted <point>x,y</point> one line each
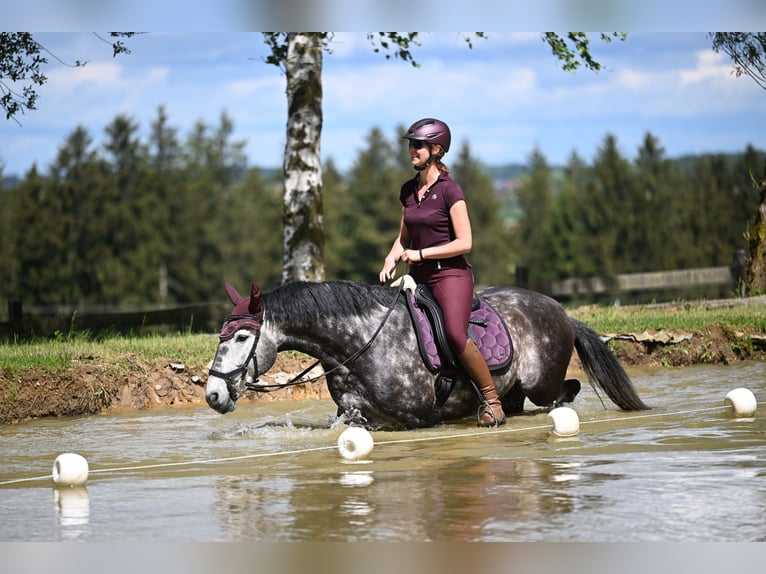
<point>333,447</point>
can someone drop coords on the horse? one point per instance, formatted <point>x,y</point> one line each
<point>363,337</point>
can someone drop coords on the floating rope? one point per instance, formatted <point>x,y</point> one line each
<point>381,443</point>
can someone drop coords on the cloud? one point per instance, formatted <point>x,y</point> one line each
<point>710,65</point>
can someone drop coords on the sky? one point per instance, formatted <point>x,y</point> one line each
<point>506,97</point>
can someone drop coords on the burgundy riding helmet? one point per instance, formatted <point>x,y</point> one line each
<point>430,130</point>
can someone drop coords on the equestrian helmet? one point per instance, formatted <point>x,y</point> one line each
<point>430,130</point>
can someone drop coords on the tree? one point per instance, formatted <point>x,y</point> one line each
<point>534,197</point>
<point>747,50</point>
<point>20,61</point>
<point>755,281</point>
<point>300,58</point>
<point>659,240</point>
<point>492,255</point>
<point>299,55</point>
<point>366,212</point>
<point>22,66</point>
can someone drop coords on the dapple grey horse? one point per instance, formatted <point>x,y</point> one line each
<point>363,337</point>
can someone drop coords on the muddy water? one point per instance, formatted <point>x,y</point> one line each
<point>684,471</point>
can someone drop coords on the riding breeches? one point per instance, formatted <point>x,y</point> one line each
<point>453,290</point>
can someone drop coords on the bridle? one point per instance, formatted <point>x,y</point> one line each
<point>241,371</point>
<point>229,377</point>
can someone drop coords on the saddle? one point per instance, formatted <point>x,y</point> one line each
<point>485,327</point>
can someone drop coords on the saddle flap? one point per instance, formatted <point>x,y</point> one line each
<point>486,328</point>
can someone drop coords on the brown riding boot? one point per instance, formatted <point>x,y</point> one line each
<point>491,411</point>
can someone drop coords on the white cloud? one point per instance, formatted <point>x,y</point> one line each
<point>710,65</point>
<point>506,95</point>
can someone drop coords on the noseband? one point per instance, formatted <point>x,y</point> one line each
<point>236,376</point>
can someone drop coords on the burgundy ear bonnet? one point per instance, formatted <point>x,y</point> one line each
<point>247,313</point>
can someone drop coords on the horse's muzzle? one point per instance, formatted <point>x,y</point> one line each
<point>218,397</point>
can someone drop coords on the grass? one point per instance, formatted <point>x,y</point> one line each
<point>682,317</point>
<point>58,354</point>
<point>121,351</point>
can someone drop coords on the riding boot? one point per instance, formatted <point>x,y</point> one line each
<point>491,411</point>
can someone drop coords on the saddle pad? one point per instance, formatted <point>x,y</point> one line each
<point>485,327</point>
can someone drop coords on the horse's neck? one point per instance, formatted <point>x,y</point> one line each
<point>323,319</point>
<point>326,337</point>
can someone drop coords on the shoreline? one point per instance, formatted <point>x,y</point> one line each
<point>94,389</point>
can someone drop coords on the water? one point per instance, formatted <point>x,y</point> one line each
<point>684,471</point>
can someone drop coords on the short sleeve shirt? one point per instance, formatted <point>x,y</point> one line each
<point>428,222</point>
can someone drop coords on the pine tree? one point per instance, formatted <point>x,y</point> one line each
<point>564,231</point>
<point>252,240</point>
<point>164,183</point>
<point>80,180</point>
<point>132,275</point>
<point>368,211</point>
<point>660,236</point>
<point>535,196</point>
<point>492,256</point>
<point>37,241</point>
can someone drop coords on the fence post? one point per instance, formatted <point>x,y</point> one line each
<point>522,276</point>
<point>738,272</point>
<point>16,317</point>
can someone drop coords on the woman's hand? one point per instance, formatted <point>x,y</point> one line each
<point>389,269</point>
<point>411,256</point>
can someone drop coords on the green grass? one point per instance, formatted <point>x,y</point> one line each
<point>196,350</point>
<point>682,317</point>
<point>58,354</point>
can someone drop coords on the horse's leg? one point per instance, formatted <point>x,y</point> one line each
<point>513,400</point>
<point>543,381</point>
<point>569,391</point>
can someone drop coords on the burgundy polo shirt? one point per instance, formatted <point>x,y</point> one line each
<point>428,222</point>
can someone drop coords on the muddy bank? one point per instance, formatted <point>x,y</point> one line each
<point>89,389</point>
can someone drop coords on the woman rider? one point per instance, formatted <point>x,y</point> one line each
<point>434,235</point>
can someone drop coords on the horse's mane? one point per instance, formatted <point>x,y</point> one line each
<point>308,301</point>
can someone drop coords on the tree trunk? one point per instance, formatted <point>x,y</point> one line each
<point>756,270</point>
<point>303,236</point>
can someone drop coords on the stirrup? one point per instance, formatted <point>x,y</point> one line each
<point>486,407</point>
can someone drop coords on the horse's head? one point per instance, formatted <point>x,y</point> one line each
<point>235,365</point>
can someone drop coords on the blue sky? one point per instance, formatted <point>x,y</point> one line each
<point>506,96</point>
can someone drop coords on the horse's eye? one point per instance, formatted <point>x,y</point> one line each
<point>241,338</point>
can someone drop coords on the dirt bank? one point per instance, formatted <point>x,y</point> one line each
<point>85,389</point>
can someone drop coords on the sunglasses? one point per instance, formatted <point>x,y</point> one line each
<point>417,144</point>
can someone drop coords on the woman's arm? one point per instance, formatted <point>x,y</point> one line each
<point>461,245</point>
<point>401,243</point>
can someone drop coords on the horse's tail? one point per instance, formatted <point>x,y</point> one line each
<point>603,368</point>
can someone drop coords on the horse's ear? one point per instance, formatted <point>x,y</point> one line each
<point>256,300</point>
<point>234,297</point>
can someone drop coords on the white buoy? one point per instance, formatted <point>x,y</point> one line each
<point>565,421</point>
<point>355,443</point>
<point>70,469</point>
<point>740,403</point>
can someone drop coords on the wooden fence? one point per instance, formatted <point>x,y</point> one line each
<point>732,276</point>
<point>207,317</point>
<point>44,321</point>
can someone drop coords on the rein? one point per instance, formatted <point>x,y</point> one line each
<point>296,380</point>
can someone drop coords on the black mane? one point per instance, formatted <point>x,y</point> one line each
<point>309,301</point>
